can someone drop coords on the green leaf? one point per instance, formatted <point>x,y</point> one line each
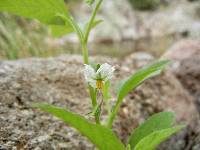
<point>140,76</point>
<point>156,122</point>
<point>154,139</point>
<point>133,82</point>
<point>102,137</point>
<point>43,10</point>
<point>61,30</point>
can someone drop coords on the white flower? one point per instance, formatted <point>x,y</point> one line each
<point>97,78</point>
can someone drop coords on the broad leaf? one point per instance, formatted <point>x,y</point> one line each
<point>158,121</point>
<point>154,139</point>
<point>43,10</point>
<point>140,76</point>
<point>61,30</point>
<point>103,138</point>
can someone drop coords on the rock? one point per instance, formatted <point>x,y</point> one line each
<point>57,80</point>
<point>183,49</point>
<point>186,57</point>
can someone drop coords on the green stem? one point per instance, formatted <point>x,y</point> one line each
<point>97,119</point>
<point>113,113</point>
<point>89,27</point>
<point>80,36</point>
<point>84,43</point>
<point>74,25</point>
<point>85,53</point>
<point>93,95</point>
<point>93,92</point>
<point>99,109</point>
<point>81,39</point>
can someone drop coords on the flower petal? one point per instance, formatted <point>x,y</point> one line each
<point>106,71</point>
<point>92,83</point>
<point>89,73</point>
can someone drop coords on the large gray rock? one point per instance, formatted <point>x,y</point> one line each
<point>59,81</point>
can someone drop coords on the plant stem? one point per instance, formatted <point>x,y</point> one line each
<point>93,95</point>
<point>89,27</point>
<point>99,109</point>
<point>85,53</point>
<point>80,36</point>
<point>84,45</point>
<point>81,39</point>
<point>84,39</point>
<point>97,119</point>
<point>93,92</point>
<point>112,114</point>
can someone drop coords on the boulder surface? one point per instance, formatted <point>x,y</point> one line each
<point>59,81</point>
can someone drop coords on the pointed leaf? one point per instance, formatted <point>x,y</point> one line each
<point>156,122</point>
<point>133,82</point>
<point>140,76</point>
<point>43,10</point>
<point>154,139</point>
<point>103,138</point>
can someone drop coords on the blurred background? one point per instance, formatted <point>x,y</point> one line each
<point>129,26</point>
